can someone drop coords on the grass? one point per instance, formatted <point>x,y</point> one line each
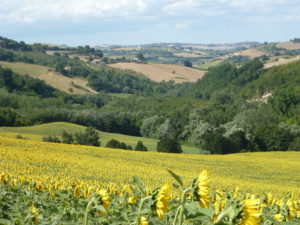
<point>276,172</point>
<point>210,64</point>
<point>26,68</point>
<point>38,131</point>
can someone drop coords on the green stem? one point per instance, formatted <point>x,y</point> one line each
<point>183,199</point>
<point>141,207</point>
<point>222,215</point>
<point>176,214</point>
<point>87,210</point>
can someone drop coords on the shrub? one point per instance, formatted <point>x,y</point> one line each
<point>19,137</point>
<point>187,63</point>
<point>169,145</point>
<point>140,147</point>
<point>89,137</point>
<point>116,144</point>
<point>51,138</point>
<point>67,138</point>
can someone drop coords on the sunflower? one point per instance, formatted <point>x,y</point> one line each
<point>251,212</point>
<point>39,187</point>
<point>298,214</point>
<point>2,176</point>
<point>87,192</point>
<point>105,200</point>
<point>143,221</point>
<point>162,201</point>
<point>36,215</point>
<point>131,200</point>
<point>202,192</point>
<point>77,191</point>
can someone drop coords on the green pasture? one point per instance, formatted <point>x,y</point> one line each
<point>56,128</point>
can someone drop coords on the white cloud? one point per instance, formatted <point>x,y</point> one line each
<point>186,24</point>
<point>35,11</point>
<point>214,7</point>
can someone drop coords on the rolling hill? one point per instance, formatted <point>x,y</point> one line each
<point>55,79</point>
<point>38,131</point>
<point>281,61</point>
<point>251,53</point>
<point>163,72</point>
<point>289,45</point>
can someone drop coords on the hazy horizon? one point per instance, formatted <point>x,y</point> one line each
<point>136,22</point>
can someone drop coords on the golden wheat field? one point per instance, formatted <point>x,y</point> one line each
<point>163,72</point>
<point>276,172</point>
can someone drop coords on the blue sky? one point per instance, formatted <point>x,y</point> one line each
<point>93,22</point>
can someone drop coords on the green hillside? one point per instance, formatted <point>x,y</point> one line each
<point>231,109</point>
<point>38,131</point>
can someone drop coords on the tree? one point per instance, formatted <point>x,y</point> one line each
<point>113,144</point>
<point>89,137</point>
<point>168,145</point>
<point>51,138</point>
<point>99,53</point>
<point>187,63</point>
<point>140,57</point>
<point>67,138</point>
<point>150,125</point>
<point>140,147</point>
<point>8,116</point>
<point>116,144</point>
<point>295,145</point>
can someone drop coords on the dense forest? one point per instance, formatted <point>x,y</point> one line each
<point>229,110</point>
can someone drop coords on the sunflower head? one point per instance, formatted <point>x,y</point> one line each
<point>104,198</point>
<point>203,189</point>
<point>251,212</point>
<point>2,176</point>
<point>39,187</point>
<point>87,192</point>
<point>143,221</point>
<point>131,200</point>
<point>162,201</point>
<point>35,214</point>
<point>77,191</point>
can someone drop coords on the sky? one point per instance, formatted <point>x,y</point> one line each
<point>129,22</point>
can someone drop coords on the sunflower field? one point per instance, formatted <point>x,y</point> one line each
<point>48,183</point>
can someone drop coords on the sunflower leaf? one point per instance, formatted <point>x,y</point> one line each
<point>176,177</point>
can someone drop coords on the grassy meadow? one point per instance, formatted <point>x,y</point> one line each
<point>213,63</point>
<point>26,68</point>
<point>38,131</point>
